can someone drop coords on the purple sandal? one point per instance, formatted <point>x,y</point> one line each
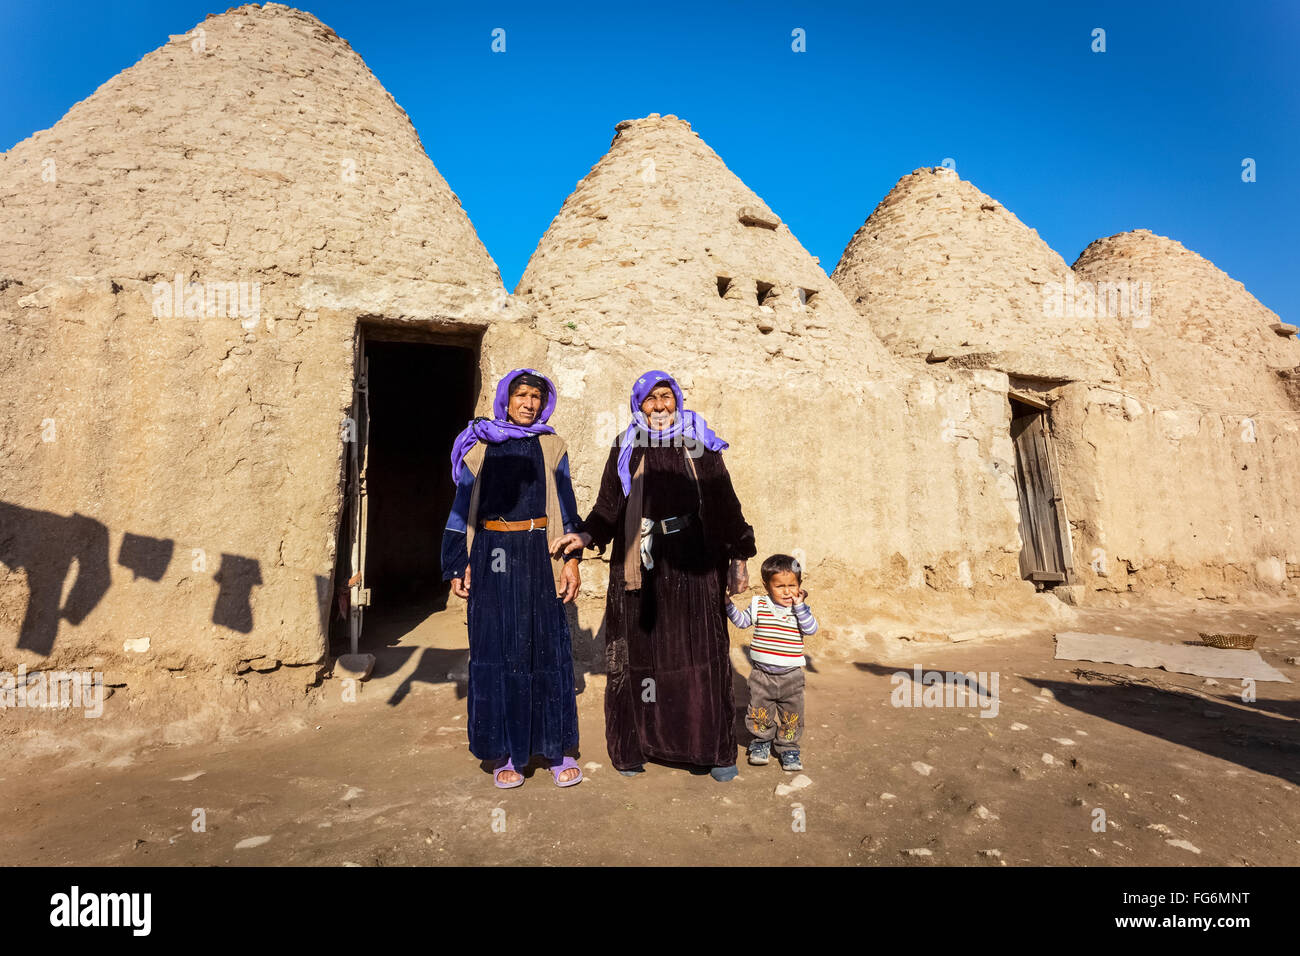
<point>497,771</point>
<point>568,763</point>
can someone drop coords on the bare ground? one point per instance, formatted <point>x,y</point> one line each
<point>1184,770</point>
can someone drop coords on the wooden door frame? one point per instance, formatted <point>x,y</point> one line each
<point>1049,475</point>
<point>355,459</point>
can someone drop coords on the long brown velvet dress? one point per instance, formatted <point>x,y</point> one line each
<point>669,693</point>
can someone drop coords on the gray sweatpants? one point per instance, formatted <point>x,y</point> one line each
<point>776,708</point>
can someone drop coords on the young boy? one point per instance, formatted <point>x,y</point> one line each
<point>780,621</point>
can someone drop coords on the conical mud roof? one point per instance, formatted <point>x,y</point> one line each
<point>940,267</point>
<point>258,143</point>
<point>663,256</point>
<point>1207,337</point>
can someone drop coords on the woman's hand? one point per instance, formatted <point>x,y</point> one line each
<point>461,588</point>
<point>738,576</point>
<point>565,543</point>
<point>571,580</point>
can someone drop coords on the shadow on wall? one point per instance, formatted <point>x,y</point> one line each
<point>45,545</point>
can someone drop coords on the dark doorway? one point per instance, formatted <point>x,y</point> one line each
<point>412,400</point>
<point>1044,554</point>
<point>421,396</point>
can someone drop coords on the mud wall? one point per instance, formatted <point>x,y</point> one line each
<point>171,484</point>
<point>1163,496</point>
<point>903,498</point>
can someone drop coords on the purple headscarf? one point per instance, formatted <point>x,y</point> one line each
<point>496,430</point>
<point>687,426</point>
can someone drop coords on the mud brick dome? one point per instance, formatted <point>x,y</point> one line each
<point>257,144</point>
<point>940,268</point>
<point>1207,338</point>
<point>661,245</point>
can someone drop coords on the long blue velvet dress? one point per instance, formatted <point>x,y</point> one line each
<point>521,684</point>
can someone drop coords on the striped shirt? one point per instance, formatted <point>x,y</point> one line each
<point>778,631</point>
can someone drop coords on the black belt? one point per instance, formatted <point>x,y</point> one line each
<point>672,525</point>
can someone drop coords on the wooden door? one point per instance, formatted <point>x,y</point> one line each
<point>358,459</point>
<point>1044,554</point>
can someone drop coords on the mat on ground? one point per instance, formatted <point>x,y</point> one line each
<point>1179,658</point>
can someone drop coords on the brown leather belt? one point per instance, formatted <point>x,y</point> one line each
<point>529,525</point>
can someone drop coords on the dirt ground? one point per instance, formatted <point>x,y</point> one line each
<point>1184,771</point>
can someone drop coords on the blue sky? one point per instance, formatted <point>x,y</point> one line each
<point>1149,134</point>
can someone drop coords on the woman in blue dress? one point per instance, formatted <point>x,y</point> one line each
<point>514,499</point>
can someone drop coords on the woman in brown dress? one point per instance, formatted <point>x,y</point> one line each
<point>680,545</point>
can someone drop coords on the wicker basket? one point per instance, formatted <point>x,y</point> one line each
<point>1229,641</point>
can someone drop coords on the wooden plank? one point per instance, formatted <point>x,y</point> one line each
<point>1051,494</point>
<point>359,455</point>
<point>1027,398</point>
<point>1030,559</point>
<point>1047,509</point>
<point>1064,538</point>
<point>1044,554</point>
<point>1027,561</point>
<point>1036,499</point>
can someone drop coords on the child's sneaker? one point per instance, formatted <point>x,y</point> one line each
<point>760,752</point>
<point>790,760</point>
